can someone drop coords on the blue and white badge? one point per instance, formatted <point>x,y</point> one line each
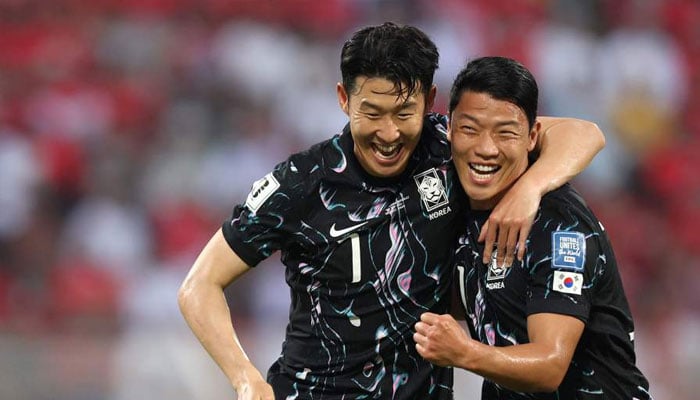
<point>568,250</point>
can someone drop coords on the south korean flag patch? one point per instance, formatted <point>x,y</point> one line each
<point>568,250</point>
<point>567,282</point>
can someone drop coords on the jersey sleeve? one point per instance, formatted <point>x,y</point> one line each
<point>562,259</point>
<point>262,225</point>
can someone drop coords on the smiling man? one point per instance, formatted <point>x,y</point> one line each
<point>385,126</point>
<point>366,223</point>
<point>555,325</point>
<point>492,145</point>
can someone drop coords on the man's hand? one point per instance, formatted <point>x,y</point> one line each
<point>510,222</point>
<point>441,340</point>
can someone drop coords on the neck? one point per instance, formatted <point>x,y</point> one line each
<point>487,204</point>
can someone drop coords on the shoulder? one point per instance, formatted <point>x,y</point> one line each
<point>305,166</point>
<point>564,228</point>
<point>292,179</point>
<point>565,207</point>
<point>437,122</point>
<point>435,128</point>
<point>434,143</point>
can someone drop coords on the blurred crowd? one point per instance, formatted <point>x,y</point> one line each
<point>130,128</point>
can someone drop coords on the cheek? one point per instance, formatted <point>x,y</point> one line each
<point>360,126</point>
<point>517,160</point>
<point>411,126</point>
<point>458,146</point>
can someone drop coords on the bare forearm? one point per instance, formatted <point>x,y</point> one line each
<point>206,312</point>
<point>567,146</point>
<point>530,367</point>
<point>522,368</point>
<point>537,366</point>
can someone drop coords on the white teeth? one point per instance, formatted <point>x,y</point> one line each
<point>387,150</point>
<point>484,169</point>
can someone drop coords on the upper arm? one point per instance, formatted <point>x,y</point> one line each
<point>217,263</point>
<point>556,312</point>
<point>558,333</point>
<point>580,131</point>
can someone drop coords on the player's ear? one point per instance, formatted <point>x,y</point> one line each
<point>430,99</point>
<point>343,98</point>
<point>534,136</point>
<point>449,130</point>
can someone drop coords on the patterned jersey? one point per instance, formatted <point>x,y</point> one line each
<point>364,257</point>
<point>570,269</point>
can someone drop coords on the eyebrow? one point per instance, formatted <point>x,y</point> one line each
<point>499,124</point>
<point>405,105</point>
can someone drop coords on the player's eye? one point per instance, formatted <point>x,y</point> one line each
<point>508,134</point>
<point>467,129</point>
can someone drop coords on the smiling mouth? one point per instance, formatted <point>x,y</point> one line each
<point>386,151</point>
<point>483,171</point>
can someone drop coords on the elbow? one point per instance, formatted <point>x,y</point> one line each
<point>552,378</point>
<point>538,384</point>
<point>544,376</point>
<point>194,293</point>
<point>550,383</point>
<point>591,133</point>
<point>598,136</point>
<point>543,384</point>
<point>184,296</point>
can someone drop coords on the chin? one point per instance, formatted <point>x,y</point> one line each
<point>390,172</point>
<point>383,172</point>
<point>475,194</point>
<point>481,198</point>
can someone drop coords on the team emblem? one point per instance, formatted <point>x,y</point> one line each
<point>431,190</point>
<point>496,273</point>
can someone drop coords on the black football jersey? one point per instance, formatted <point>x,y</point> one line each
<point>364,257</point>
<point>570,269</point>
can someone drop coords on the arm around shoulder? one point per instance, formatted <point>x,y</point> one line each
<point>566,147</point>
<point>581,131</point>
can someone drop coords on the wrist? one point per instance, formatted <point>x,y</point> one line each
<point>245,376</point>
<point>533,182</point>
<point>470,356</point>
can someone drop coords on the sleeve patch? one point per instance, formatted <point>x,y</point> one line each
<point>567,282</point>
<point>568,250</point>
<point>261,191</point>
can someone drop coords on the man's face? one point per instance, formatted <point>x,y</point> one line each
<point>490,144</point>
<point>385,127</point>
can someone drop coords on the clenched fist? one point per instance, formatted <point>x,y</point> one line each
<point>441,340</point>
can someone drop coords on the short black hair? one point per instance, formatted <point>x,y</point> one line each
<point>501,78</point>
<point>401,54</point>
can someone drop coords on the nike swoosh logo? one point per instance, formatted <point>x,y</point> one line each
<point>337,233</point>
